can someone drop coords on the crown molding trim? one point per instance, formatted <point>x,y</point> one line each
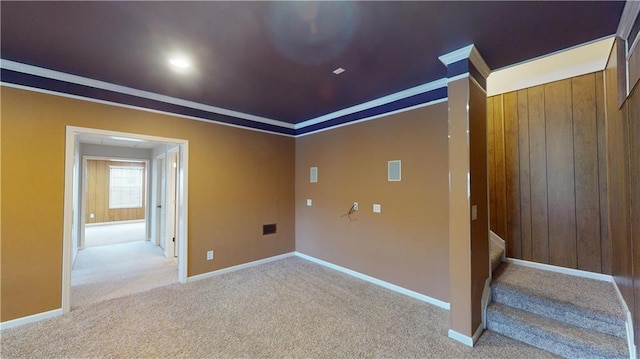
<point>430,86</point>
<point>84,81</point>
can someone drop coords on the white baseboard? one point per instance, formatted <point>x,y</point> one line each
<point>486,299</point>
<point>239,267</point>
<point>470,341</point>
<point>30,319</point>
<point>628,322</point>
<point>563,270</point>
<point>496,239</point>
<point>376,281</point>
<point>499,242</point>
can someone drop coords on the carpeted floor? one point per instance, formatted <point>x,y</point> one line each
<point>106,272</point>
<point>104,234</point>
<point>287,308</point>
<point>572,316</point>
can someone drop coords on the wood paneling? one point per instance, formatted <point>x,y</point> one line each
<point>623,163</point>
<point>618,182</point>
<point>550,173</point>
<point>97,196</point>
<point>499,159</point>
<point>538,179</point>
<point>585,149</point>
<point>634,169</point>
<point>605,241</point>
<point>561,200</point>
<point>491,103</point>
<point>525,177</point>
<point>512,174</point>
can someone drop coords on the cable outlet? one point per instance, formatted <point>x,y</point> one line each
<point>355,206</point>
<point>210,255</point>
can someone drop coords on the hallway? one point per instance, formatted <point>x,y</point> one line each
<point>111,271</point>
<point>101,234</point>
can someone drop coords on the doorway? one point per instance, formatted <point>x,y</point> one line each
<point>74,214</point>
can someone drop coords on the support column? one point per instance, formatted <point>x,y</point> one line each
<point>468,193</point>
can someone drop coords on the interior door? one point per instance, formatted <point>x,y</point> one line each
<point>172,202</point>
<point>161,214</point>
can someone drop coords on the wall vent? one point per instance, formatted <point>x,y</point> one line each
<point>268,229</point>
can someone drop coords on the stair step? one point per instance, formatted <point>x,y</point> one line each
<point>553,336</point>
<point>582,302</point>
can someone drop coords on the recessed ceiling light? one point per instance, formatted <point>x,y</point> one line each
<point>179,62</point>
<point>338,71</point>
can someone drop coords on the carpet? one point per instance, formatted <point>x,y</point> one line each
<point>113,233</point>
<point>287,308</point>
<point>572,316</point>
<point>106,272</point>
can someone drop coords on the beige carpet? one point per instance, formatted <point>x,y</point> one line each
<point>289,308</point>
<point>113,233</point>
<point>105,272</point>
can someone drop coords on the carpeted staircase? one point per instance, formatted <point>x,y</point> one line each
<point>570,316</point>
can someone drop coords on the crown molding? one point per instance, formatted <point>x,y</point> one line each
<point>456,55</point>
<point>430,86</point>
<point>138,108</point>
<point>468,52</point>
<point>84,81</point>
<point>478,61</point>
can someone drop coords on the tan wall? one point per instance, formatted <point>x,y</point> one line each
<point>469,238</point>
<point>98,194</point>
<point>547,173</point>
<point>406,244</point>
<point>480,198</point>
<point>238,181</point>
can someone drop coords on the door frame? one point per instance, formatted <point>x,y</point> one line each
<point>172,197</point>
<point>156,194</point>
<point>70,217</point>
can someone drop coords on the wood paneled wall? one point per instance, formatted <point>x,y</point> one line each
<point>623,159</point>
<point>547,173</point>
<point>97,173</point>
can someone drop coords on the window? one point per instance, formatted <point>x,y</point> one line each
<point>125,187</point>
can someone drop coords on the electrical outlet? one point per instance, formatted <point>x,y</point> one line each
<point>377,208</point>
<point>355,206</point>
<point>309,202</point>
<point>210,255</point>
<point>92,215</point>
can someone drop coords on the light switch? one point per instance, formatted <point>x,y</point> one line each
<point>474,212</point>
<point>377,208</point>
<point>309,203</point>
